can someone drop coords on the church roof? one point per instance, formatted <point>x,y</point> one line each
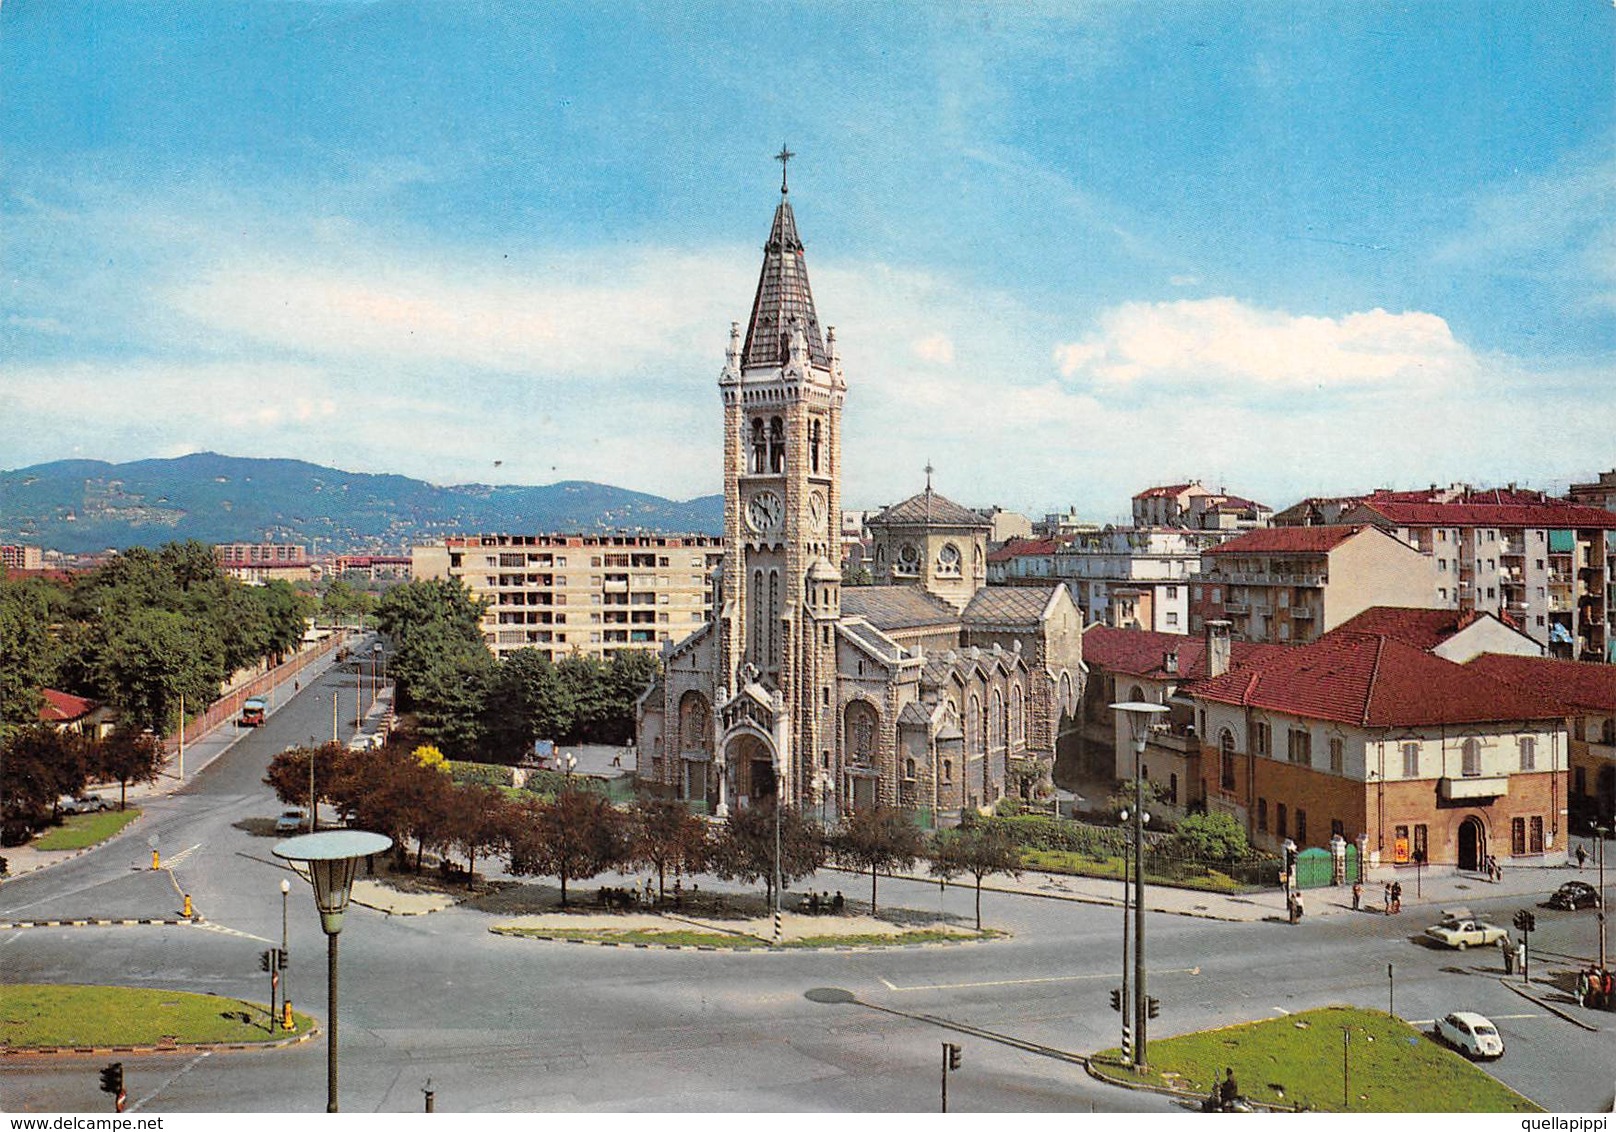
<point>897,607</point>
<point>782,295</point>
<point>1000,605</point>
<point>929,509</point>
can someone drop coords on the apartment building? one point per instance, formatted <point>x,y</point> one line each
<point>1290,585</point>
<point>1601,493</point>
<point>260,562</point>
<point>592,594</point>
<point>1544,564</point>
<point>1194,506</point>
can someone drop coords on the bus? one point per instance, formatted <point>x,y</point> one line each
<point>252,712</point>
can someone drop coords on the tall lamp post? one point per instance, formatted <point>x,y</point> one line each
<point>332,858</point>
<point>1600,833</point>
<point>286,888</point>
<point>777,793</point>
<point>1139,717</point>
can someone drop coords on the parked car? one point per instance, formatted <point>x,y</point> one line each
<point>1471,1034</point>
<point>82,804</point>
<point>1574,894</point>
<point>290,821</point>
<point>1460,930</point>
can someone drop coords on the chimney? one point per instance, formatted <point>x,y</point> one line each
<point>1217,648</point>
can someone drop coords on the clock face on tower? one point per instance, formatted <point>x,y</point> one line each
<point>763,512</point>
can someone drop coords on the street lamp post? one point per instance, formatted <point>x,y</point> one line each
<point>286,887</point>
<point>1139,717</point>
<point>1600,833</point>
<point>777,850</point>
<point>332,858</point>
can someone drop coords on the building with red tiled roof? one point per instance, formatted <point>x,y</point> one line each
<point>1544,564</point>
<point>1381,743</point>
<point>68,712</point>
<point>1449,633</point>
<point>1588,692</point>
<point>1290,585</point>
<point>1193,506</point>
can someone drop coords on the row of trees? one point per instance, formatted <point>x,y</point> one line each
<point>473,706</point>
<point>577,834</point>
<point>43,763</point>
<point>140,633</point>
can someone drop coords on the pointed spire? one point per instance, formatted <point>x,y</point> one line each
<point>783,295</point>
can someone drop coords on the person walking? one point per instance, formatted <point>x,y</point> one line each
<point>1397,898</point>
<point>1386,897</point>
<point>1357,895</point>
<point>1582,857</point>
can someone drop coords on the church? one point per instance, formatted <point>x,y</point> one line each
<point>928,691</point>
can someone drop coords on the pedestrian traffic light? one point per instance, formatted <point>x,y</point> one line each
<point>1152,1007</point>
<point>1116,999</point>
<point>953,1056</point>
<point>112,1078</point>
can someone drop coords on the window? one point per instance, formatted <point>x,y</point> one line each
<point>1217,595</point>
<point>1279,820</point>
<point>909,769</point>
<point>1517,836</point>
<point>1172,593</point>
<point>1420,853</point>
<point>1301,826</point>
<point>1442,593</point>
<point>1411,760</point>
<point>1262,815</point>
<point>948,771</point>
<point>1299,747</point>
<point>1260,737</point>
<point>1442,565</point>
<point>1528,753</point>
<point>1534,835</point>
<point>1470,759</point>
<point>1338,759</point>
<point>1337,829</point>
<point>1195,593</point>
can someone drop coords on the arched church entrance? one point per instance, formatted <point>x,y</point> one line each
<point>752,760</point>
<point>1472,844</point>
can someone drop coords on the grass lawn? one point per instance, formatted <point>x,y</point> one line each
<point>1296,1060</point>
<point>39,1015</point>
<point>1083,864</point>
<point>736,941</point>
<point>83,830</point>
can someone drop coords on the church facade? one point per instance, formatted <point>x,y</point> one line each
<point>931,692</point>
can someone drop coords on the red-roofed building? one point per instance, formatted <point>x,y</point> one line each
<point>68,712</point>
<point>1541,563</point>
<point>1290,585</point>
<point>1588,692</point>
<point>1367,736</point>
<point>1193,506</point>
<point>1448,633</point>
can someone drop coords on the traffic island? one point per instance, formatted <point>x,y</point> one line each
<point>1334,1059</point>
<point>82,831</point>
<point>43,1018</point>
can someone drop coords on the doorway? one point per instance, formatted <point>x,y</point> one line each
<point>1472,845</point>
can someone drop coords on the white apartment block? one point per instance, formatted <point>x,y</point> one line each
<point>591,594</point>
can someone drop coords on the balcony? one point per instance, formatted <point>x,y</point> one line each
<point>1238,608</point>
<point>1470,789</point>
<point>1301,613</point>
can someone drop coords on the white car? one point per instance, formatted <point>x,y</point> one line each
<point>1471,1034</point>
<point>82,804</point>
<point>290,821</point>
<point>1460,932</point>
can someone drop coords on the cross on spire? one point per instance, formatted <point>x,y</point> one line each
<point>783,157</point>
<point>929,471</point>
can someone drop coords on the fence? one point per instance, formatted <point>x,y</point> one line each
<point>228,706</point>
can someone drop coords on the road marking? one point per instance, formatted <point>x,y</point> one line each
<point>1280,1010</point>
<point>891,986</point>
<point>179,857</point>
<point>190,1065</point>
<point>222,930</point>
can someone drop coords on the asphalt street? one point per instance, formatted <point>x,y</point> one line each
<point>505,1024</point>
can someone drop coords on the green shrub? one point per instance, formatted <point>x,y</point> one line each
<point>482,774</point>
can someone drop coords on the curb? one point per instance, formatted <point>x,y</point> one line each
<point>762,948</point>
<point>1549,1006</point>
<point>1175,1094</point>
<point>181,1047</point>
<point>8,924</point>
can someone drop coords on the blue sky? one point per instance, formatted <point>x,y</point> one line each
<point>1070,249</point>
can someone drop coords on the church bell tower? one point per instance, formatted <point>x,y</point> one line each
<point>782,392</point>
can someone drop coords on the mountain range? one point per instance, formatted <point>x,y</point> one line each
<point>83,506</point>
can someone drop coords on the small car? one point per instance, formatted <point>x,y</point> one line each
<point>1471,1034</point>
<point>1574,894</point>
<point>290,821</point>
<point>82,804</point>
<point>1460,932</point>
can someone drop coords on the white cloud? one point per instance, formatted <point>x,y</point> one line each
<point>938,348</point>
<point>1223,343</point>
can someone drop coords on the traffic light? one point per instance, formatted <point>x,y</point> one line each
<point>953,1056</point>
<point>1525,921</point>
<point>266,960</point>
<point>280,957</point>
<point>1116,999</point>
<point>112,1078</point>
<point>1152,1007</point>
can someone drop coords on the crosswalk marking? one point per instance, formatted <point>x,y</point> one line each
<point>891,986</point>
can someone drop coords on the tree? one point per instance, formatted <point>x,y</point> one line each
<point>450,694</point>
<point>744,848</point>
<point>877,838</point>
<point>288,774</point>
<point>664,833</point>
<point>41,764</point>
<point>583,682</point>
<point>979,849</point>
<point>479,823</point>
<point>148,659</point>
<point>628,674</point>
<point>577,836</point>
<point>526,701</point>
<point>29,651</point>
<point>1211,837</point>
<point>126,756</point>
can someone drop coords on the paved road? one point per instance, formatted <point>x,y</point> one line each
<point>503,1024</point>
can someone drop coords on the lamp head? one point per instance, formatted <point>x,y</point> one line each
<point>332,858</point>
<point>286,886</point>
<point>1140,716</point>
